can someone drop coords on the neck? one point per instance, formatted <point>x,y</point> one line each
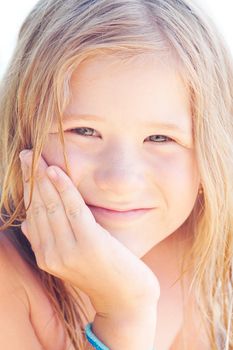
<point>165,259</point>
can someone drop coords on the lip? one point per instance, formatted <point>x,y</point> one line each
<point>118,214</point>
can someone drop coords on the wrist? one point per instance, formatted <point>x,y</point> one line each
<point>127,330</point>
<point>124,307</point>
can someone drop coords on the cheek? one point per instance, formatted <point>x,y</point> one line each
<point>52,151</point>
<point>178,175</point>
<point>79,162</point>
<point>81,167</point>
<point>179,182</point>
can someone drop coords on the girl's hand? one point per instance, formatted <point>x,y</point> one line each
<point>70,244</point>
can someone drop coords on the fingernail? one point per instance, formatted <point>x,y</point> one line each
<point>23,153</point>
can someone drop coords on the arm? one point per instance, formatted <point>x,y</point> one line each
<point>132,330</point>
<point>65,244</point>
<point>16,331</point>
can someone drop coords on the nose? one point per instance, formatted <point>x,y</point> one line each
<point>121,172</point>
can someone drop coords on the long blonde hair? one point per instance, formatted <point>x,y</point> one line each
<point>56,36</point>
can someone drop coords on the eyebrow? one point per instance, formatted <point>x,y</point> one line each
<point>169,126</point>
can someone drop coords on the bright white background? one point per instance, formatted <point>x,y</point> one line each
<point>13,12</point>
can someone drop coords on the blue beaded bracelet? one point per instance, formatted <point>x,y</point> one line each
<point>93,340</point>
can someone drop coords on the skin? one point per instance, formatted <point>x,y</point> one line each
<point>121,165</point>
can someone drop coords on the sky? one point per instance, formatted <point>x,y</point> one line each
<point>13,12</point>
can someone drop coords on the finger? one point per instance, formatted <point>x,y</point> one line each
<point>40,234</point>
<point>24,229</point>
<point>38,213</point>
<point>25,179</point>
<point>32,235</point>
<point>79,215</point>
<point>59,223</point>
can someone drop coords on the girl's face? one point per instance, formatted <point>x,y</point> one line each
<point>128,135</point>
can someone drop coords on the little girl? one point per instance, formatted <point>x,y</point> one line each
<point>116,179</point>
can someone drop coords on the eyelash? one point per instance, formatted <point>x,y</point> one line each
<point>85,128</point>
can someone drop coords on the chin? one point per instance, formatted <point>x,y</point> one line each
<point>137,243</point>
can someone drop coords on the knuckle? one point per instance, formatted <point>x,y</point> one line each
<point>37,246</point>
<point>67,261</point>
<point>41,264</point>
<point>73,211</point>
<point>52,261</point>
<point>40,261</point>
<point>63,188</point>
<point>29,219</point>
<point>37,208</point>
<point>52,207</point>
<point>70,257</point>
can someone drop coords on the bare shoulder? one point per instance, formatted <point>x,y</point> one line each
<point>25,307</point>
<point>12,268</point>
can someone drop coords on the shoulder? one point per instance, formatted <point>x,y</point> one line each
<point>17,278</point>
<point>19,281</point>
<point>12,267</point>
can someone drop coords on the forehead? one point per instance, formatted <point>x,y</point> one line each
<point>97,67</point>
<point>143,86</point>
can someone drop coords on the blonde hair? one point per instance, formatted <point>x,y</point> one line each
<point>55,37</point>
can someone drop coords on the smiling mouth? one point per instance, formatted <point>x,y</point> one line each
<point>117,214</point>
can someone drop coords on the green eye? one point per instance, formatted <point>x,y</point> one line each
<point>83,131</point>
<point>160,139</point>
